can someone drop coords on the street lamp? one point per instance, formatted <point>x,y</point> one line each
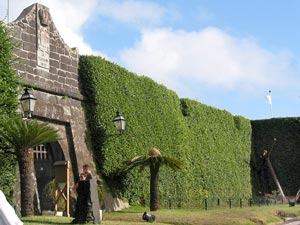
<point>28,102</point>
<point>119,122</point>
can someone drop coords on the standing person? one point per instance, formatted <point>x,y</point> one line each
<point>87,171</point>
<point>7,212</point>
<point>83,211</point>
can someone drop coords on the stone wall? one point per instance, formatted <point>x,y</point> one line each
<point>45,61</point>
<point>47,65</point>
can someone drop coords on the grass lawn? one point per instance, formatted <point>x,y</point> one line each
<point>133,216</point>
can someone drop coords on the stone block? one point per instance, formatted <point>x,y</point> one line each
<point>30,30</point>
<point>63,66</point>
<point>53,48</point>
<point>37,79</point>
<point>71,82</point>
<point>20,66</point>
<point>29,38</point>
<point>31,55</point>
<point>32,63</point>
<point>53,77</point>
<point>20,24</point>
<point>68,74</point>
<point>30,77</point>
<point>67,51</point>
<point>24,20</point>
<point>29,47</point>
<point>61,50</point>
<point>72,69</point>
<point>57,84</point>
<point>75,76</point>
<point>62,80</point>
<point>17,34</point>
<point>54,63</point>
<point>54,55</point>
<point>74,62</point>
<point>42,80</point>
<point>52,70</point>
<point>62,73</point>
<point>32,23</point>
<point>43,73</point>
<point>29,69</point>
<point>20,53</point>
<point>65,59</point>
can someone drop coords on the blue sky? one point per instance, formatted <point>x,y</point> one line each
<point>226,54</point>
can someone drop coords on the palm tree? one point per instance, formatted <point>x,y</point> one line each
<point>23,136</point>
<point>154,161</point>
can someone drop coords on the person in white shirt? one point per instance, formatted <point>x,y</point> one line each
<point>7,212</point>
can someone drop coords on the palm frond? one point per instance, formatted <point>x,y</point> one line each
<point>155,161</point>
<point>172,163</point>
<point>27,134</point>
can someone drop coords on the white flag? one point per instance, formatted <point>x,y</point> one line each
<point>269,99</point>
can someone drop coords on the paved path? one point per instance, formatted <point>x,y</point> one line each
<point>292,222</point>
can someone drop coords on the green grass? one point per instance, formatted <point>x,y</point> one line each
<point>133,216</point>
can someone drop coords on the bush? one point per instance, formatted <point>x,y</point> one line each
<point>48,199</point>
<point>8,106</point>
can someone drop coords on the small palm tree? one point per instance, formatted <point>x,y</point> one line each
<point>23,136</point>
<point>154,161</point>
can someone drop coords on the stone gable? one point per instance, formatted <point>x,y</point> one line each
<point>44,58</point>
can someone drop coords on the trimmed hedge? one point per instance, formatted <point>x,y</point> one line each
<point>221,145</point>
<point>214,145</point>
<point>284,156</point>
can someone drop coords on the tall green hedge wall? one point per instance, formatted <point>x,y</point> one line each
<point>284,155</point>
<point>8,105</point>
<point>214,145</point>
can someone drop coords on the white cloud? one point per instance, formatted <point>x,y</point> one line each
<point>174,58</point>
<point>208,57</point>
<point>68,15</point>
<point>132,12</point>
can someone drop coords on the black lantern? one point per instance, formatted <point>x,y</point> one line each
<point>28,102</point>
<point>119,122</point>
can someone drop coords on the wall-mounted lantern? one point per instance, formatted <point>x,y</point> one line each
<point>119,122</point>
<point>28,103</point>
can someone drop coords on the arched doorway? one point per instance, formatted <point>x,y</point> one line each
<point>44,158</point>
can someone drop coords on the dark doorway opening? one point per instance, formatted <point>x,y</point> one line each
<point>44,158</point>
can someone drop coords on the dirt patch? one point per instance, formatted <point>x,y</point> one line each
<point>257,221</point>
<point>285,214</point>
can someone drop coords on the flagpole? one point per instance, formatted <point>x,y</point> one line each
<point>271,112</point>
<point>7,11</point>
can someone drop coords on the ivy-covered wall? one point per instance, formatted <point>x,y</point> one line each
<point>219,150</point>
<point>214,145</point>
<point>8,105</point>
<point>284,155</point>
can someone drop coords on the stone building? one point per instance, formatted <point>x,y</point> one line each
<point>49,67</point>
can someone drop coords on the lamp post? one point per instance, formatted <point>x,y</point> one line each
<point>28,102</point>
<point>119,122</point>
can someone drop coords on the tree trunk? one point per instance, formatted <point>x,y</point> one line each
<point>26,167</point>
<point>154,193</point>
